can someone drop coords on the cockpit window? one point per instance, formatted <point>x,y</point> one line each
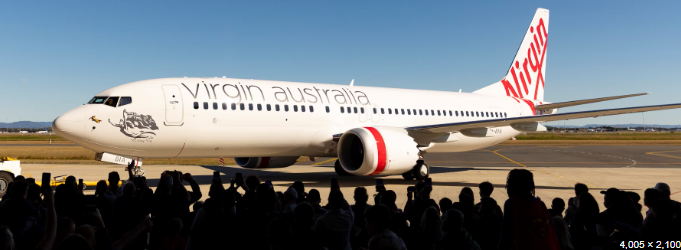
<point>112,101</point>
<point>97,100</point>
<point>125,100</point>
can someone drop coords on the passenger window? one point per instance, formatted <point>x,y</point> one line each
<point>438,113</point>
<point>505,115</point>
<point>112,101</point>
<point>450,113</point>
<point>402,111</point>
<point>409,111</point>
<point>97,100</point>
<point>125,101</point>
<point>342,110</point>
<point>390,112</point>
<point>205,105</point>
<point>276,107</point>
<point>196,105</point>
<point>233,105</point>
<point>215,105</point>
<point>286,107</point>
<point>421,112</point>
<point>269,107</point>
<point>224,106</point>
<point>456,112</point>
<point>414,111</point>
<point>242,106</point>
<point>327,109</point>
<point>295,108</point>
<point>361,110</point>
<point>432,112</point>
<point>466,113</point>
<point>259,106</point>
<point>250,106</point>
<point>302,108</point>
<point>311,109</point>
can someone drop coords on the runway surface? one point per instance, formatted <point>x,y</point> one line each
<point>556,169</point>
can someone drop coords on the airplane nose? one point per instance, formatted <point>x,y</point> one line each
<point>71,124</point>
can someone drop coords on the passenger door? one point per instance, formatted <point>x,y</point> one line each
<point>174,108</point>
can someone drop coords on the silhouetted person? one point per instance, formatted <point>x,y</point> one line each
<point>466,206</point>
<point>486,189</point>
<point>414,209</point>
<point>304,238</point>
<point>315,200</point>
<point>128,212</point>
<point>445,204</point>
<point>360,237</point>
<point>398,222</point>
<point>659,221</point>
<point>428,234</point>
<point>571,208</point>
<point>490,224</point>
<point>334,226</point>
<point>526,223</point>
<point>455,236</point>
<point>559,224</point>
<point>665,194</point>
<point>583,226</point>
<point>300,190</point>
<point>105,203</point>
<point>377,224</point>
<point>114,189</point>
<point>619,210</point>
<point>290,200</point>
<point>22,219</point>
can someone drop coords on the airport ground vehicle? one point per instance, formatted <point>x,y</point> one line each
<point>9,168</point>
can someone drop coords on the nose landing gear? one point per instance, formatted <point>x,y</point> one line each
<point>135,170</point>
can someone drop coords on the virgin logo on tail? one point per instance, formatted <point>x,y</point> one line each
<point>532,66</point>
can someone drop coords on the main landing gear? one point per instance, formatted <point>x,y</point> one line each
<point>419,172</point>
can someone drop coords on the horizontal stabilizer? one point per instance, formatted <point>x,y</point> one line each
<point>458,126</point>
<point>580,102</point>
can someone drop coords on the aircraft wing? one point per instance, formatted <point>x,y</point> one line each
<point>458,126</point>
<point>580,102</point>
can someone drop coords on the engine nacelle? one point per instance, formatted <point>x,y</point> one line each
<point>377,151</point>
<point>266,162</point>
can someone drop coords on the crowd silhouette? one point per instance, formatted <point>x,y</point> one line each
<point>249,214</point>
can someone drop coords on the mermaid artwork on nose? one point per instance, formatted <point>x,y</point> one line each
<point>136,125</point>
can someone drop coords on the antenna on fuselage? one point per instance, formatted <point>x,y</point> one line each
<point>352,82</point>
<point>459,90</point>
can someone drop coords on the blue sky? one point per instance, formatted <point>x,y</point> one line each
<point>56,55</point>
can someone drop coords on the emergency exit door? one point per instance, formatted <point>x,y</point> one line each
<point>174,108</point>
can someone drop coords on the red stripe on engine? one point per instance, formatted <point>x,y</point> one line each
<point>380,146</point>
<point>264,161</point>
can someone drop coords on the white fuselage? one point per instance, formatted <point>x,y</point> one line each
<point>162,120</point>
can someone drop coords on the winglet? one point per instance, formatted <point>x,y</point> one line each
<point>352,82</point>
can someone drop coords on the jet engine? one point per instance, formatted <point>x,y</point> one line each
<point>266,162</point>
<point>377,151</point>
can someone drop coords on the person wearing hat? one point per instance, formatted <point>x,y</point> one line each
<point>665,194</point>
<point>620,209</point>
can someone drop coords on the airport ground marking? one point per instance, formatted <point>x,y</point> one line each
<point>329,160</point>
<point>542,171</point>
<point>663,155</point>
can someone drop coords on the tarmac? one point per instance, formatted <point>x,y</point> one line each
<point>556,170</point>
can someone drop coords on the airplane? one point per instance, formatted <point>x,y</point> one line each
<point>371,130</point>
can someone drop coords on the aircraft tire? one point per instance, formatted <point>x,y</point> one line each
<point>5,180</point>
<point>409,175</point>
<point>339,169</point>
<point>421,171</point>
